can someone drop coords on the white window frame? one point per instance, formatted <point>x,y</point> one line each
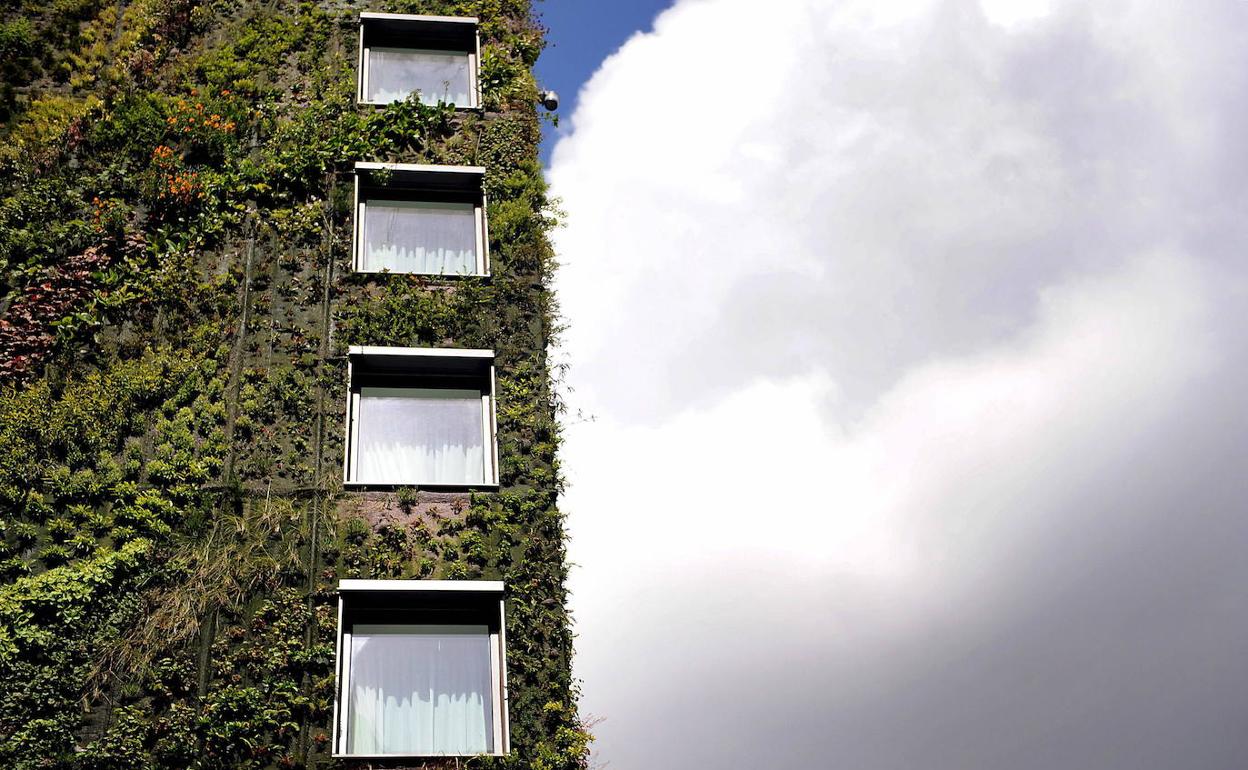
<point>413,180</point>
<point>417,27</point>
<point>424,361</point>
<point>484,591</point>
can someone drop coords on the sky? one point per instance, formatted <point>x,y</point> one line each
<point>907,350</point>
<point>580,34</point>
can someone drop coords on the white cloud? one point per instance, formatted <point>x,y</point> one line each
<point>1013,13</point>
<point>885,310</point>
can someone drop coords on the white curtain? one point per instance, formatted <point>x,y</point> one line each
<point>420,436</point>
<point>420,237</point>
<point>420,690</point>
<point>439,76</point>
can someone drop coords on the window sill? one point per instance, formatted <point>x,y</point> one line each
<point>390,486</point>
<point>413,756</point>
<point>448,277</point>
<point>456,107</point>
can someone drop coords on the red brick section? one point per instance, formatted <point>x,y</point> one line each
<point>384,508</point>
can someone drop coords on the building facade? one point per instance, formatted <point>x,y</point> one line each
<point>278,473</point>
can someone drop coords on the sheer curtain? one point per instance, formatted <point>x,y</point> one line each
<point>420,690</point>
<point>420,435</point>
<point>420,237</point>
<point>439,76</point>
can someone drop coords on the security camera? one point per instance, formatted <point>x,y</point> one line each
<point>549,100</point>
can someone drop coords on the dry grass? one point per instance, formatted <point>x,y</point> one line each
<point>240,557</point>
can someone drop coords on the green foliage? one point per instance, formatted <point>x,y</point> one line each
<point>50,625</point>
<point>17,39</point>
<point>263,45</point>
<point>71,429</point>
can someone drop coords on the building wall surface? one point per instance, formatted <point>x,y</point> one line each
<point>175,236</point>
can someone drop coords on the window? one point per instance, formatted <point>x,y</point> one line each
<point>421,417</point>
<point>420,219</point>
<point>421,668</point>
<point>432,56</point>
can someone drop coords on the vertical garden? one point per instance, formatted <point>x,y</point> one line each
<point>178,303</point>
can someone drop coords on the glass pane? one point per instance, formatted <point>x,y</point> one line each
<point>418,237</point>
<point>439,76</point>
<point>420,436</point>
<point>420,691</point>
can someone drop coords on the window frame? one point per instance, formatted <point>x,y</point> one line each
<point>458,34</point>
<point>424,184</point>
<point>423,362</point>
<point>394,593</point>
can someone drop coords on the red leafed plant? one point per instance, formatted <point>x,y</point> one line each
<point>27,328</point>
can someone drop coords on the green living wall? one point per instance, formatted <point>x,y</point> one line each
<point>175,237</point>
